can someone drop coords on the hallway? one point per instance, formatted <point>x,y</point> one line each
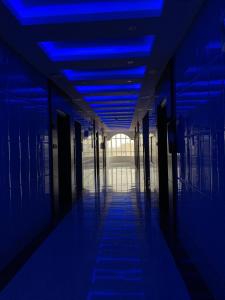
<point>112,149</point>
<point>108,247</point>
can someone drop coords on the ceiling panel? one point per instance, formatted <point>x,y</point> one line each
<point>45,12</point>
<point>106,55</point>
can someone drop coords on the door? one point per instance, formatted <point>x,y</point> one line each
<point>78,158</point>
<point>64,161</point>
<point>163,162</point>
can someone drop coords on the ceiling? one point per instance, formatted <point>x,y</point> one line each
<point>106,55</point>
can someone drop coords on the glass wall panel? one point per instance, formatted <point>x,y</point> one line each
<point>200,102</point>
<point>25,206</point>
<point>88,161</point>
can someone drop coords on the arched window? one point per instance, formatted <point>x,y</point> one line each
<point>120,145</point>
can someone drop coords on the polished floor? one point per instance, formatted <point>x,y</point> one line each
<point>108,247</point>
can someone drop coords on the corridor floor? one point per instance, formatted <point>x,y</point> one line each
<point>108,247</point>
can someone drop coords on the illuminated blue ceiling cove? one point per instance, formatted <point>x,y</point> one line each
<point>103,106</point>
<point>48,12</point>
<point>202,83</point>
<point>73,51</point>
<point>121,120</point>
<point>112,113</point>
<point>86,89</point>
<point>199,94</point>
<point>111,98</point>
<point>196,101</point>
<point>109,109</point>
<point>105,74</point>
<point>113,105</point>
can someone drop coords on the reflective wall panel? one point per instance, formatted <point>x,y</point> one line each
<point>88,160</point>
<point>25,206</point>
<point>200,108</point>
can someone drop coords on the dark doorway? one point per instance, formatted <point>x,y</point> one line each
<point>78,158</point>
<point>146,158</point>
<point>163,162</point>
<point>64,161</point>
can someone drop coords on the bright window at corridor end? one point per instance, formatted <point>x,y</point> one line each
<point>120,145</point>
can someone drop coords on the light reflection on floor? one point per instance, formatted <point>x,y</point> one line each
<point>121,179</point>
<point>108,248</point>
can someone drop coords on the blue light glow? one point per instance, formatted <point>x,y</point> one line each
<point>113,105</point>
<point>202,83</point>
<point>199,94</point>
<point>83,11</point>
<point>85,89</point>
<point>111,98</point>
<point>29,90</point>
<point>118,126</point>
<point>112,113</point>
<point>114,110</point>
<point>111,120</point>
<point>116,120</point>
<point>192,101</point>
<point>214,45</point>
<point>126,48</point>
<point>105,74</point>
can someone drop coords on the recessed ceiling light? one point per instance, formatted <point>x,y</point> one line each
<point>87,89</point>
<point>105,49</point>
<point>129,73</point>
<point>53,12</point>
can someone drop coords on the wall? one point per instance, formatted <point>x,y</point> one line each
<point>200,103</point>
<point>25,206</point>
<point>199,85</point>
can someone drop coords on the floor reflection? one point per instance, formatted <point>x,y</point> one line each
<point>121,179</point>
<point>108,248</point>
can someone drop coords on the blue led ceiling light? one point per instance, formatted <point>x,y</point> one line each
<point>202,83</point>
<point>112,105</point>
<point>110,98</point>
<point>118,126</point>
<point>112,113</point>
<point>119,119</point>
<point>48,12</point>
<point>115,120</point>
<point>88,89</point>
<point>117,103</point>
<point>122,117</point>
<point>196,101</point>
<point>112,109</point>
<point>123,48</point>
<point>115,110</point>
<point>132,73</point>
<point>118,122</point>
<point>199,94</point>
